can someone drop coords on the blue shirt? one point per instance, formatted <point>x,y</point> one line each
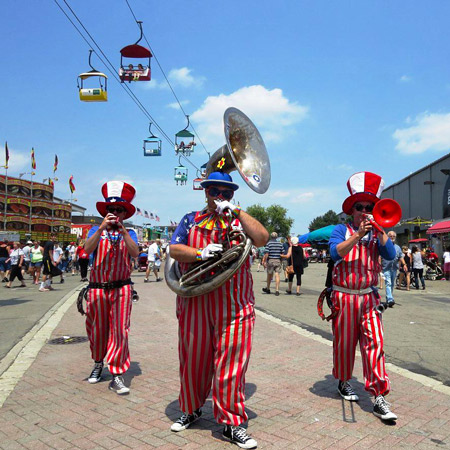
<point>275,249</point>
<point>393,263</point>
<point>338,235</point>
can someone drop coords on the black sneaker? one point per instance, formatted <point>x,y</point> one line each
<point>117,384</point>
<point>62,280</point>
<point>390,303</point>
<point>239,436</point>
<point>277,293</point>
<point>266,290</point>
<point>96,374</point>
<point>186,420</point>
<point>381,409</point>
<point>347,392</point>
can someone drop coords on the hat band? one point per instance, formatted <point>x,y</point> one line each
<point>114,199</point>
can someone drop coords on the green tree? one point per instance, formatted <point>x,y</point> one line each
<point>274,218</point>
<point>329,218</point>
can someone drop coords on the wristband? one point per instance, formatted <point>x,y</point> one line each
<point>236,211</point>
<point>198,256</point>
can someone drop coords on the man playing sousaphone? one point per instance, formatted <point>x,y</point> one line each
<point>215,329</point>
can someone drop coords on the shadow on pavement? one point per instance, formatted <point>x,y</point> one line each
<point>12,302</point>
<point>207,420</point>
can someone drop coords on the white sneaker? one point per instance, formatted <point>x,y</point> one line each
<point>117,384</point>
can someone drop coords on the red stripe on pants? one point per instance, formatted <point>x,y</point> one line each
<point>215,338</point>
<point>107,326</point>
<point>358,321</point>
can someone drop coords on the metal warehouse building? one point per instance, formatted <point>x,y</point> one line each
<point>425,200</point>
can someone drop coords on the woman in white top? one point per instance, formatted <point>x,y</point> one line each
<point>417,265</point>
<point>446,257</point>
<point>16,258</point>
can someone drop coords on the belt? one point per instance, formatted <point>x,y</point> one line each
<point>352,291</point>
<point>110,284</point>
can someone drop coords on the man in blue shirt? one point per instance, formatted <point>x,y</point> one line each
<point>390,267</point>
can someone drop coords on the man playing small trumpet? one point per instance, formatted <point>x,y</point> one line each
<point>355,247</point>
<point>215,329</point>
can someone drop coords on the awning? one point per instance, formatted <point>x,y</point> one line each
<point>415,241</point>
<point>440,228</point>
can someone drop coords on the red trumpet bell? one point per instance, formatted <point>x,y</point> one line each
<point>387,213</point>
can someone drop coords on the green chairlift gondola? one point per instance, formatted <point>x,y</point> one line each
<point>180,145</point>
<point>180,174</point>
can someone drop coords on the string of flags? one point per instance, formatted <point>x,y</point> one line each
<point>152,216</point>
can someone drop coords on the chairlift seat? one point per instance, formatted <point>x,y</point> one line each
<point>94,94</point>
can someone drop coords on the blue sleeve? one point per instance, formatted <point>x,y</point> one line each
<point>387,251</point>
<point>180,236</point>
<point>91,232</point>
<point>337,236</point>
<point>133,236</point>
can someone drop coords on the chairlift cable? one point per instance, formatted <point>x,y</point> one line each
<point>164,74</point>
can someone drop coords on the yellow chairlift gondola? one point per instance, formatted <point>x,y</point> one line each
<point>92,94</point>
<point>180,174</point>
<point>180,138</point>
<point>152,145</point>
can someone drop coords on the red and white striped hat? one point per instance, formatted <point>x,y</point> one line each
<point>117,192</point>
<point>363,187</point>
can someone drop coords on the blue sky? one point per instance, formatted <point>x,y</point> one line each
<point>334,88</point>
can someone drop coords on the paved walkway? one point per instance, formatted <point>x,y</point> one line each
<point>291,395</point>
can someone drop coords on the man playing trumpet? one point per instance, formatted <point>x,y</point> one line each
<point>215,329</point>
<point>355,248</point>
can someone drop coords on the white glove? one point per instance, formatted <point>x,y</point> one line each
<point>223,205</point>
<point>210,250</point>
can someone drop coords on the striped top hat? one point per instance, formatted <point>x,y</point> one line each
<point>363,187</point>
<point>117,192</point>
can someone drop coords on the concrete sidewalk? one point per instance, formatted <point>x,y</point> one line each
<point>291,396</point>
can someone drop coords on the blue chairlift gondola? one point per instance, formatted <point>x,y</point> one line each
<point>152,145</point>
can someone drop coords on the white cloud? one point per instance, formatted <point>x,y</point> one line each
<point>304,197</point>
<point>427,132</point>
<point>175,105</point>
<point>280,194</point>
<point>18,161</point>
<point>404,79</point>
<point>183,77</point>
<point>270,110</point>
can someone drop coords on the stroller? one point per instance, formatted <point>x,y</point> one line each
<point>433,271</point>
<point>142,262</point>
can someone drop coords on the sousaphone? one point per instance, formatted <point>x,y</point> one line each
<point>245,152</point>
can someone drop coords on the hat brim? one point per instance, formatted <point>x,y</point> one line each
<point>207,183</point>
<point>347,206</point>
<point>101,208</point>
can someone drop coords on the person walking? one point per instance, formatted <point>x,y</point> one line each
<point>5,267</point>
<point>153,260</point>
<point>446,263</point>
<point>58,254</point>
<point>355,247</point>
<point>16,260</point>
<point>405,272</point>
<point>36,253</point>
<point>82,260</point>
<point>272,262</point>
<point>50,270</point>
<point>217,326</point>
<point>389,269</point>
<point>26,257</point>
<point>295,257</point>
<point>109,297</point>
<point>417,266</point>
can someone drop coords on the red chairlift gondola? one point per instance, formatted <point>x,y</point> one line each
<point>201,176</point>
<point>135,70</point>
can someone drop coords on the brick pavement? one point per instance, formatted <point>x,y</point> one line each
<point>291,395</point>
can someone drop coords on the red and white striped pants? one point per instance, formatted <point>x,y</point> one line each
<point>107,325</point>
<point>215,341</point>
<point>358,320</point>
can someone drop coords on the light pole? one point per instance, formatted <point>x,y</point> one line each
<point>52,183</point>
<point>31,196</point>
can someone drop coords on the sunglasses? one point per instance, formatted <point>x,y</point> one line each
<point>227,194</point>
<point>367,208</point>
<point>113,210</point>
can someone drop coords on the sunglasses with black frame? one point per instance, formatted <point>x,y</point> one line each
<point>366,208</point>
<point>113,209</point>
<point>227,194</point>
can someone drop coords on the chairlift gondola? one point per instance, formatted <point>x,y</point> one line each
<point>152,145</point>
<point>180,138</point>
<point>135,70</point>
<point>180,174</point>
<point>201,176</point>
<point>92,94</point>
